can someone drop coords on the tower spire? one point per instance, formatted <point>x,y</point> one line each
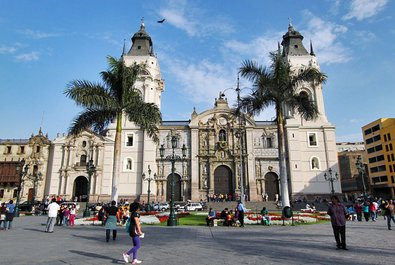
<point>123,50</point>
<point>311,49</point>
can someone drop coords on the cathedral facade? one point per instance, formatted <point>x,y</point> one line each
<point>216,151</point>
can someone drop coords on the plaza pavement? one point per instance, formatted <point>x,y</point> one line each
<point>368,243</point>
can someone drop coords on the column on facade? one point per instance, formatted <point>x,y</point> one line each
<point>249,160</point>
<point>195,176</point>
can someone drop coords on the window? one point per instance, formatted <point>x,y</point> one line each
<point>22,149</point>
<point>269,143</point>
<point>315,164</point>
<point>8,150</point>
<point>222,136</point>
<point>376,128</point>
<point>392,179</point>
<point>15,193</point>
<point>389,136</point>
<point>2,191</point>
<point>385,138</point>
<point>390,147</point>
<point>83,160</point>
<point>392,157</point>
<point>129,140</point>
<point>128,164</point>
<point>37,149</point>
<point>388,158</point>
<point>312,139</point>
<point>83,143</point>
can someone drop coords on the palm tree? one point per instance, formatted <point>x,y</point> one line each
<point>114,99</point>
<point>278,86</point>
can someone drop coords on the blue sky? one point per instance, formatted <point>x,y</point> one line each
<point>45,44</point>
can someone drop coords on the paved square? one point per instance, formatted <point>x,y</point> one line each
<point>369,243</point>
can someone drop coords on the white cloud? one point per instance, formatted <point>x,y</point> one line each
<point>365,36</point>
<point>38,34</point>
<point>199,82</point>
<point>361,9</point>
<point>27,57</point>
<point>326,37</point>
<point>194,21</point>
<point>7,49</point>
<point>355,137</point>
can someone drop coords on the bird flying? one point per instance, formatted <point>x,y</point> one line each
<point>161,21</point>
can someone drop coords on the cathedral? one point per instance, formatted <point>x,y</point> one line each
<point>214,152</point>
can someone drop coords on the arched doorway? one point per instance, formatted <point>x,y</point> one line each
<point>177,188</point>
<point>271,185</point>
<point>81,188</point>
<point>223,181</point>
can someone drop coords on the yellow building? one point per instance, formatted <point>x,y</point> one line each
<point>379,138</point>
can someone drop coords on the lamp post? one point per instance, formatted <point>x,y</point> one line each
<point>361,170</point>
<point>90,169</point>
<point>21,169</point>
<point>239,134</point>
<point>149,179</point>
<point>331,178</point>
<point>172,221</point>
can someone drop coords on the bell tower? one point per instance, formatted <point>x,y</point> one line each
<point>310,144</point>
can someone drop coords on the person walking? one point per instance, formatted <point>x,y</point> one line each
<point>72,214</point>
<point>241,209</point>
<point>53,209</point>
<point>3,211</point>
<point>111,223</point>
<point>337,211</point>
<point>389,213</point>
<point>358,210</point>
<point>9,216</point>
<point>135,232</point>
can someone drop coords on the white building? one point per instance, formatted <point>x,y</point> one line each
<point>211,164</point>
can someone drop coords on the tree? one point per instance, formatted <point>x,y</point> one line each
<point>277,86</point>
<point>113,99</point>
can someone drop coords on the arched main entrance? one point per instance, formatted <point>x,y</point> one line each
<point>177,188</point>
<point>80,188</point>
<point>271,185</point>
<point>223,181</point>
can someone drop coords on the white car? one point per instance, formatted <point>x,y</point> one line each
<point>163,206</point>
<point>68,204</point>
<point>193,206</point>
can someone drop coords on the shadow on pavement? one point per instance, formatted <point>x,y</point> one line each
<point>34,229</point>
<point>94,255</point>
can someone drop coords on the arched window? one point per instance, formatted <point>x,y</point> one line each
<point>222,136</point>
<point>128,164</point>
<point>315,163</point>
<point>83,160</point>
<point>83,143</point>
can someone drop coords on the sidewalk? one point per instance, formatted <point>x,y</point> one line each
<point>369,243</point>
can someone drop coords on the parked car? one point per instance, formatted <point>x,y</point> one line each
<point>68,204</point>
<point>180,206</point>
<point>27,206</point>
<point>193,206</point>
<point>163,206</point>
<point>95,206</point>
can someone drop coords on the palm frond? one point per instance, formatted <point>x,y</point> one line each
<point>95,119</point>
<point>88,94</point>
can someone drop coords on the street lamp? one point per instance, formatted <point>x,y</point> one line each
<point>239,134</point>
<point>90,169</point>
<point>331,178</point>
<point>361,170</point>
<point>172,221</point>
<point>149,179</point>
<point>21,169</point>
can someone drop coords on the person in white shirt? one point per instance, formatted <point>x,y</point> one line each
<point>53,209</point>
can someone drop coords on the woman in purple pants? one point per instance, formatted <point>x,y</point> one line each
<point>135,232</point>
